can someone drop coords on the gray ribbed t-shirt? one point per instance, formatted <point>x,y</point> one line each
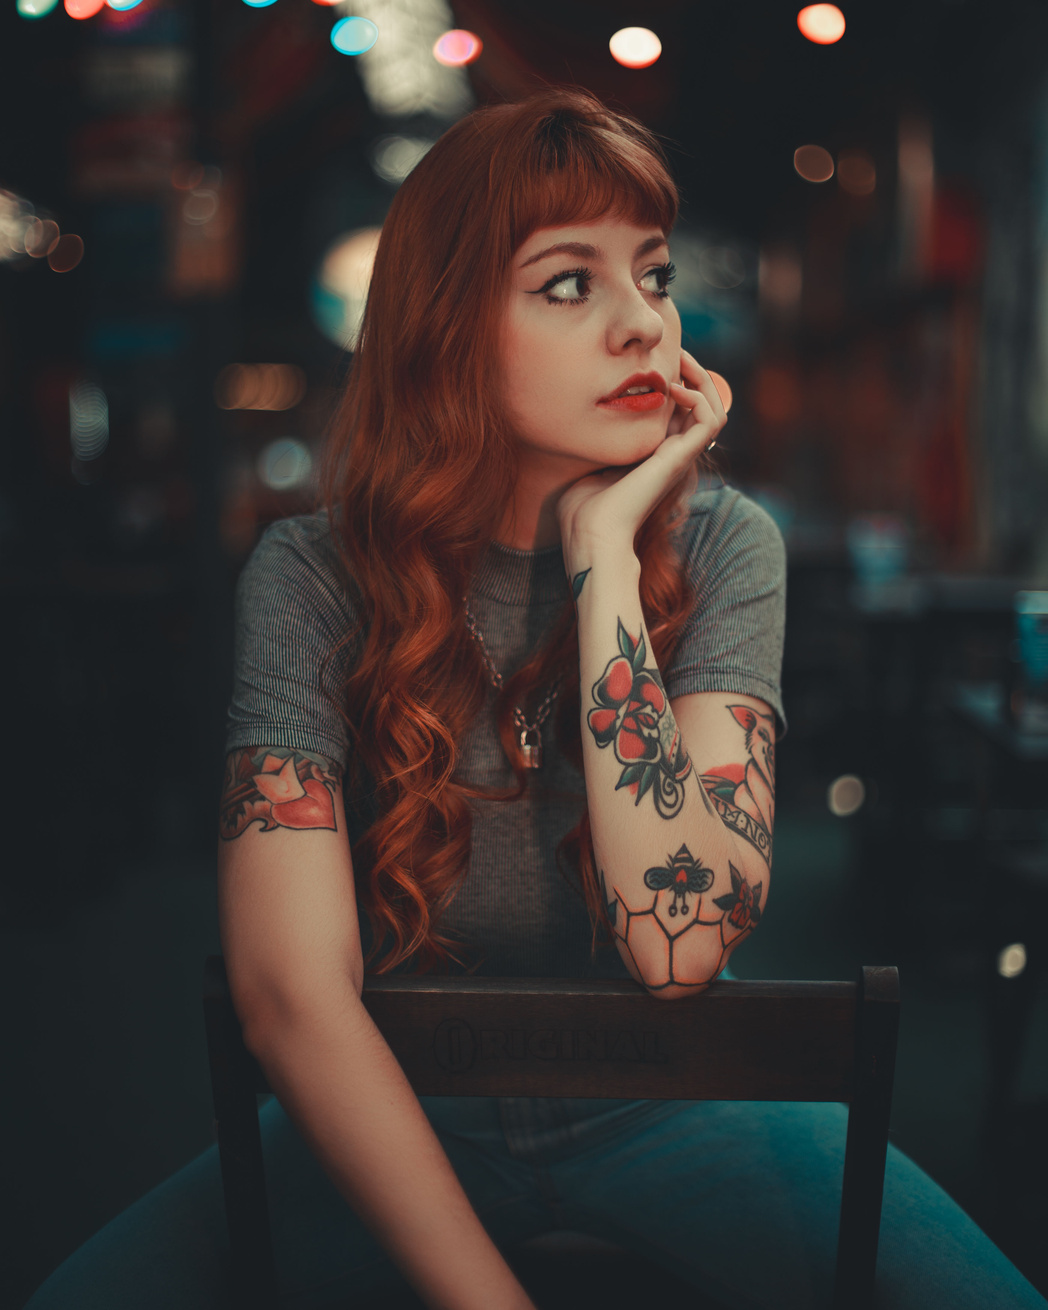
<point>515,911</point>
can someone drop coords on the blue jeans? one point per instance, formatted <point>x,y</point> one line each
<point>740,1199</point>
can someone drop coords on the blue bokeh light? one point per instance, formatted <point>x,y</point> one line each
<point>352,36</point>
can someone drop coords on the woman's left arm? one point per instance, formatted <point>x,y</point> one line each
<point>682,839</point>
<point>681,796</point>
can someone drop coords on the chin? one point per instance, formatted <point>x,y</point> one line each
<point>642,445</point>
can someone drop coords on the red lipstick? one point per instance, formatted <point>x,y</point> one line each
<point>652,397</point>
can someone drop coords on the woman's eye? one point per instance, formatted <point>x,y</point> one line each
<point>568,288</point>
<point>663,275</point>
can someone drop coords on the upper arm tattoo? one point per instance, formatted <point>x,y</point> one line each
<point>632,712</point>
<point>281,788</point>
<point>744,795</point>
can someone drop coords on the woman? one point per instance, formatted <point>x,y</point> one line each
<point>480,697</point>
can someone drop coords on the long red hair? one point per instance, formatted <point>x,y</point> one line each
<point>419,425</point>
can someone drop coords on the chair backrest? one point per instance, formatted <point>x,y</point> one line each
<point>749,1041</point>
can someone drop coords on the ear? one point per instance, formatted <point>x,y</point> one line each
<point>745,716</point>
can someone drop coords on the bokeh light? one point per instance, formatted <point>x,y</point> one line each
<point>352,36</point>
<point>1012,960</point>
<point>635,47</point>
<point>393,157</point>
<point>856,172</point>
<point>41,237</point>
<point>35,8</point>
<point>284,464</point>
<point>341,287</point>
<point>187,175</point>
<point>200,206</point>
<point>121,22</point>
<point>813,163</point>
<point>16,218</point>
<point>780,280</point>
<point>259,4</point>
<point>260,386</point>
<point>823,24</point>
<point>83,8</point>
<point>723,390</point>
<point>845,795</point>
<point>121,5</point>
<point>721,267</point>
<point>68,252</point>
<point>457,48</point>
<point>88,421</point>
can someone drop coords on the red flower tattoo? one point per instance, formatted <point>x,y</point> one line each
<point>633,714</point>
<point>743,901</point>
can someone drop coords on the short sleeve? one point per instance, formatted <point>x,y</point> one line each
<point>292,608</point>
<point>736,561</point>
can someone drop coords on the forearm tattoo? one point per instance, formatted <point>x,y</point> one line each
<point>281,788</point>
<point>744,795</point>
<point>679,939</point>
<point>576,585</point>
<point>632,714</point>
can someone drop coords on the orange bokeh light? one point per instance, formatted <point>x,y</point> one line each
<point>856,172</point>
<point>83,8</point>
<point>723,390</point>
<point>67,253</point>
<point>457,48</point>
<point>823,24</point>
<point>813,163</point>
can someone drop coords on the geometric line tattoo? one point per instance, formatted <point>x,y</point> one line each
<point>682,944</point>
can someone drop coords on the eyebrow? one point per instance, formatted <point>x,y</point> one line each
<point>583,251</point>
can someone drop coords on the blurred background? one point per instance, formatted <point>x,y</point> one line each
<point>190,195</point>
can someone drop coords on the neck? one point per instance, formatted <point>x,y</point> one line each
<point>530,521</point>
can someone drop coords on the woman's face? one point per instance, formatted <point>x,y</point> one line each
<point>587,316</point>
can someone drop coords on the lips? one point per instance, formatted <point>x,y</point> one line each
<point>655,381</point>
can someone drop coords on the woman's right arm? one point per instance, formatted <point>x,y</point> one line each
<point>291,940</point>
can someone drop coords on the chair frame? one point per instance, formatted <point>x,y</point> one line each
<point>771,1041</point>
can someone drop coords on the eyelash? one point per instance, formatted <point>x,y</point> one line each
<point>667,272</point>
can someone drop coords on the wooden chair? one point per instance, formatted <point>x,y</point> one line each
<point>747,1041</point>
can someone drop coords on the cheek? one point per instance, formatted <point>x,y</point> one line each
<point>539,370</point>
<point>672,331</point>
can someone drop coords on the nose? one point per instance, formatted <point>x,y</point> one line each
<point>634,322</point>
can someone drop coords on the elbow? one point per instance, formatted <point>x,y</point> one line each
<point>271,1020</point>
<point>678,991</point>
<point>671,975</point>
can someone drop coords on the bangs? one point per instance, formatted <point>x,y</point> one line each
<point>577,171</point>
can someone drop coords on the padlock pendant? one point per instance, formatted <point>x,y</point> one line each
<point>531,748</point>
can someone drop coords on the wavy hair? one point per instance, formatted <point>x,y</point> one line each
<point>418,422</point>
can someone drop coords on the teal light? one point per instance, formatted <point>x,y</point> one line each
<point>121,5</point>
<point>352,36</point>
<point>35,8</point>
<point>259,4</point>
